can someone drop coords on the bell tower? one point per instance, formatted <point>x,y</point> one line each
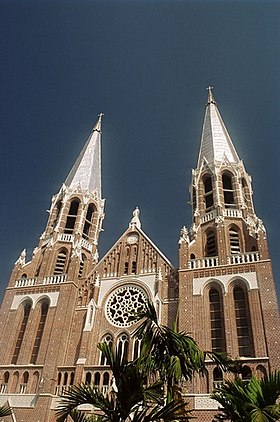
<point>227,294</point>
<point>68,246</point>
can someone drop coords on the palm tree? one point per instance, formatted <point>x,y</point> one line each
<point>252,401</point>
<point>5,410</point>
<point>129,401</point>
<point>174,355</point>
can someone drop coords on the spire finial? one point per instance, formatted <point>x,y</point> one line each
<point>97,126</point>
<point>210,99</point>
<point>135,221</point>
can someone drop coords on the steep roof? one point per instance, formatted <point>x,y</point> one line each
<point>86,172</point>
<point>216,144</point>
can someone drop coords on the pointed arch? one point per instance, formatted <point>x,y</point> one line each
<point>122,346</point>
<point>44,307</point>
<point>97,378</point>
<point>88,378</point>
<point>217,377</point>
<point>26,312</point>
<point>108,339</point>
<point>105,382</point>
<point>72,216</point>
<point>23,384</point>
<point>246,373</point>
<point>243,320</point>
<point>4,384</point>
<point>35,382</point>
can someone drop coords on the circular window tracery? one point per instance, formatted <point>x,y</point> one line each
<point>123,303</point>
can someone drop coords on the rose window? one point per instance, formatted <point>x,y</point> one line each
<point>123,304</point>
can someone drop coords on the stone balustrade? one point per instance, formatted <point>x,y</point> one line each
<point>209,262</point>
<point>208,216</point>
<point>52,279</point>
<point>244,258</point>
<point>233,213</point>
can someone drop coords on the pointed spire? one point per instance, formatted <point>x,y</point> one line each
<point>86,172</point>
<point>216,144</point>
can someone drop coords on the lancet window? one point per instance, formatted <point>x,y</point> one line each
<point>40,330</point>
<point>123,347</point>
<point>228,190</point>
<point>243,325</point>
<point>217,321</point>
<point>208,193</point>
<point>23,385</point>
<point>72,216</point>
<point>26,313</point>
<point>108,339</point>
<point>88,221</point>
<point>217,377</point>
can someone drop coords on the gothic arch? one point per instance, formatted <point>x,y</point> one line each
<point>72,215</point>
<point>207,180</point>
<point>210,242</point>
<point>61,261</point>
<point>235,239</point>
<point>228,189</point>
<point>215,306</point>
<point>24,310</point>
<point>44,305</point>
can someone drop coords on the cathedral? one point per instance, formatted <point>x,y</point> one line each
<point>64,301</point>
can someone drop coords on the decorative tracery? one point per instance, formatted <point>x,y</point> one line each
<point>123,303</point>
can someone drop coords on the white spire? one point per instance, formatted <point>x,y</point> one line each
<point>86,172</point>
<point>215,144</point>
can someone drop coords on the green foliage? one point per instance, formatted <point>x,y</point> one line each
<point>253,401</point>
<point>5,410</point>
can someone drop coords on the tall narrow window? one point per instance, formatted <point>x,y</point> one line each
<point>23,385</point>
<point>133,267</point>
<point>88,378</point>
<point>125,268</point>
<point>136,348</point>
<point>72,216</point>
<point>88,221</point>
<point>39,334</point>
<point>243,325</point>
<point>4,384</point>
<point>217,321</point>
<point>228,190</point>
<point>123,347</point>
<point>26,312</point>
<point>60,262</point>
<point>96,379</point>
<point>234,241</point>
<point>208,193</point>
<point>108,340</point>
<point>217,377</point>
<point>105,384</point>
<point>211,244</point>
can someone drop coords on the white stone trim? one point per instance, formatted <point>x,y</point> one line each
<point>18,400</point>
<point>35,298</point>
<point>204,402</point>
<point>224,280</point>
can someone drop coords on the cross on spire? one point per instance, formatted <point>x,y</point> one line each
<point>210,99</point>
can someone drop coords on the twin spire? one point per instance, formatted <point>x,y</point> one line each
<point>86,172</point>
<point>216,144</point>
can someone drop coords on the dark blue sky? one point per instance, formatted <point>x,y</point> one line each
<point>146,65</point>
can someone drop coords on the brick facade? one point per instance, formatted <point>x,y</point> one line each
<point>62,303</point>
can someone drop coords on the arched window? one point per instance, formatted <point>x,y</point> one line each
<point>217,377</point>
<point>15,382</point>
<point>133,268</point>
<point>123,347</point>
<point>234,241</point>
<point>40,330</point>
<point>72,216</point>
<point>243,325</point>
<point>57,389</point>
<point>261,371</point>
<point>26,313</point>
<point>60,262</point>
<point>246,373</point>
<point>108,340</point>
<point>136,348</point>
<point>35,382</point>
<point>97,379</point>
<point>4,385</point>
<point>125,268</point>
<point>228,190</point>
<point>88,378</point>
<point>211,244</point>
<point>88,221</point>
<point>105,385</point>
<point>217,321</point>
<point>72,375</point>
<point>208,193</point>
<point>23,385</point>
